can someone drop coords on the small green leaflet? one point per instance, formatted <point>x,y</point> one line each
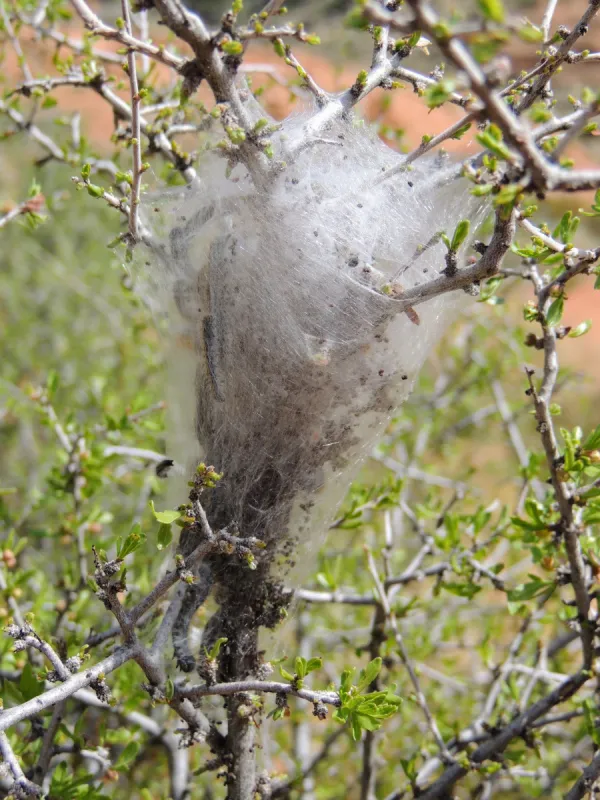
<point>164,517</point>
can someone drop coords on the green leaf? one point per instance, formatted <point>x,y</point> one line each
<point>367,712</point>
<point>356,19</point>
<point>262,123</point>
<point>164,517</point>
<point>134,540</point>
<point>460,234</point>
<point>300,665</point>
<point>367,722</point>
<point>595,206</point>
<point>409,767</point>
<point>536,511</point>
<point>437,94</point>
<point>52,382</point>
<point>555,312</point>
<point>591,493</point>
<point>124,177</point>
<point>216,648</point>
<point>468,590</point>
<point>279,47</point>
<point>527,591</point>
<point>355,727</point>
<point>413,39</point>
<point>593,440</point>
<point>232,48</point>
<point>127,757</point>
<point>460,132</point>
<point>590,716</point>
<point>29,685</point>
<point>491,138</point>
<point>528,526</point>
<point>581,329</point>
<point>346,683</point>
<point>481,191</point>
<point>591,515</point>
<point>492,10</point>
<point>313,664</point>
<point>513,686</point>
<point>94,191</point>
<point>566,228</point>
<point>368,674</point>
<point>441,31</point>
<point>529,33</point>
<point>508,195</point>
<point>165,536</point>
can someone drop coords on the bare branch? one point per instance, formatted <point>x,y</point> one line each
<point>271,687</point>
<point>80,680</point>
<point>547,18</point>
<point>334,597</point>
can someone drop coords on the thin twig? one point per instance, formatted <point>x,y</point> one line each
<point>271,687</point>
<point>391,617</point>
<point>136,136</point>
<point>31,708</point>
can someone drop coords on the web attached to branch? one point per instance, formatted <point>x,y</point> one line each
<point>288,350</point>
